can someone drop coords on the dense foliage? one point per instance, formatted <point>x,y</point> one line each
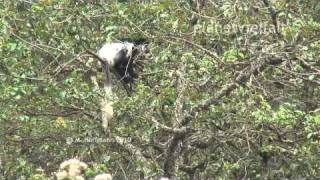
<point>230,89</point>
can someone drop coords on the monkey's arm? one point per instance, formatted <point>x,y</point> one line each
<point>105,66</point>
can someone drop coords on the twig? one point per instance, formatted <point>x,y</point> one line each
<point>273,14</point>
<point>20,77</point>
<point>210,53</point>
<point>37,45</point>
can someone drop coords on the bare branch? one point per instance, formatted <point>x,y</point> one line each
<point>182,130</point>
<point>273,14</point>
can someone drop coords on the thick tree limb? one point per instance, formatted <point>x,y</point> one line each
<point>169,166</point>
<point>130,148</point>
<point>242,78</point>
<point>172,152</point>
<point>182,130</point>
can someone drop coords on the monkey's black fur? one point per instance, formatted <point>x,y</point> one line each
<point>125,63</point>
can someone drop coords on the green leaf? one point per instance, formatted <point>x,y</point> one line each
<point>311,77</point>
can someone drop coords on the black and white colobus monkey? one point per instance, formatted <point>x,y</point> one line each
<point>122,58</point>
